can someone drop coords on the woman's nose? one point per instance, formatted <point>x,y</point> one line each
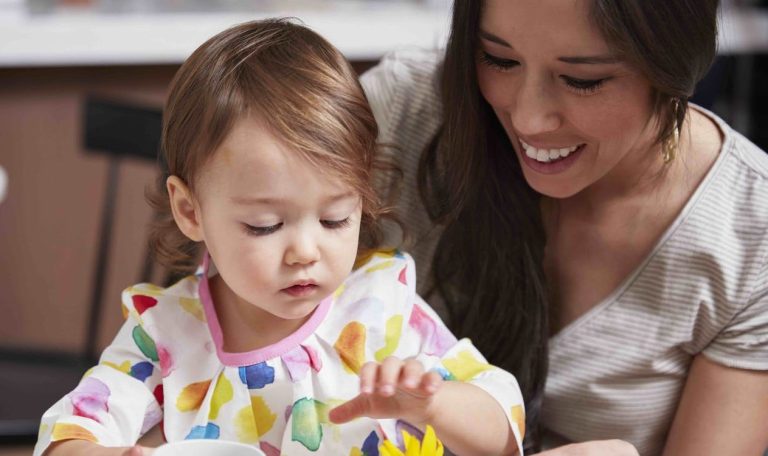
<point>303,249</point>
<point>535,109</point>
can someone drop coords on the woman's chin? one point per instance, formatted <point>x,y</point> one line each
<point>557,190</point>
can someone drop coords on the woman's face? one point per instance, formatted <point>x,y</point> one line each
<point>577,116</point>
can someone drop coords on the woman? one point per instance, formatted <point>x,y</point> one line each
<point>570,206</point>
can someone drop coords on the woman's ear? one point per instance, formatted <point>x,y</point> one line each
<point>185,211</point>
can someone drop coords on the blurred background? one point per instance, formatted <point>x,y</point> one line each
<point>82,83</point>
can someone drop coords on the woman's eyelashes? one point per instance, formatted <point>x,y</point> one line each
<point>581,86</point>
<point>584,86</point>
<point>265,230</point>
<point>497,62</point>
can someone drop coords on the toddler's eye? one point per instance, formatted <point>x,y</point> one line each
<point>334,224</point>
<point>262,230</point>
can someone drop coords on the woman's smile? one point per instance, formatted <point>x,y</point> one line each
<point>552,160</point>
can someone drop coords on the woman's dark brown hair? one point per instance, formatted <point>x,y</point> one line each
<point>297,85</point>
<point>488,265</point>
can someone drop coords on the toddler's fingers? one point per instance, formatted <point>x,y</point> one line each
<point>411,373</point>
<point>389,374</point>
<point>431,382</point>
<point>135,450</point>
<point>353,408</point>
<point>368,377</point>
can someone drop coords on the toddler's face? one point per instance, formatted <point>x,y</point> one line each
<point>281,232</point>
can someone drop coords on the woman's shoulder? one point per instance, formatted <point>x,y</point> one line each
<point>403,66</point>
<point>403,91</point>
<point>749,156</point>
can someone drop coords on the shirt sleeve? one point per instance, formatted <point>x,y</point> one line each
<point>743,343</point>
<point>459,360</point>
<point>118,400</point>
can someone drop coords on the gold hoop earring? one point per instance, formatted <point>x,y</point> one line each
<point>670,145</point>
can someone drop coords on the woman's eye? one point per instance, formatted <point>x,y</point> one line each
<point>584,86</point>
<point>262,230</point>
<point>497,62</point>
<point>335,224</point>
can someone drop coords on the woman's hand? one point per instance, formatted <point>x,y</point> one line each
<point>392,389</point>
<point>594,448</point>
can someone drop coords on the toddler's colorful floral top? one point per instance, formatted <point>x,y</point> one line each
<point>167,365</point>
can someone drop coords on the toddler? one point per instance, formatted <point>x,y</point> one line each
<point>295,335</point>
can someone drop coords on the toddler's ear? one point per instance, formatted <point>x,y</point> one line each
<point>184,208</point>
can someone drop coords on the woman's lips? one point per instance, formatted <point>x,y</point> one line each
<point>301,290</point>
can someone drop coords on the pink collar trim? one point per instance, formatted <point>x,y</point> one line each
<point>260,354</point>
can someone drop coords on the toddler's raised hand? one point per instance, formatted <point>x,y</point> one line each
<point>394,388</point>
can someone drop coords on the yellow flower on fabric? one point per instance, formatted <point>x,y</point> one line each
<point>351,346</point>
<point>391,337</point>
<point>339,291</point>
<point>429,446</point>
<point>222,393</point>
<point>518,416</point>
<point>362,259</point>
<point>124,367</point>
<point>193,307</point>
<point>192,396</point>
<point>254,421</point>
<point>66,431</point>
<point>465,366</point>
<point>147,289</point>
<point>380,266</point>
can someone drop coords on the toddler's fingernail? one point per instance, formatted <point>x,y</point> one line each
<point>387,389</point>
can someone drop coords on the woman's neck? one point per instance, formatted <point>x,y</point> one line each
<point>643,177</point>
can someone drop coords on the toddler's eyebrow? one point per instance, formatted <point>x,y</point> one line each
<point>267,200</point>
<point>249,200</point>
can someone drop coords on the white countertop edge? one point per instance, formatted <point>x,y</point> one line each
<point>361,33</point>
<point>90,39</point>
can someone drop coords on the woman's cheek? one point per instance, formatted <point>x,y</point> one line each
<point>494,87</point>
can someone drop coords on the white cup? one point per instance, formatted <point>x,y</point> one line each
<point>204,447</point>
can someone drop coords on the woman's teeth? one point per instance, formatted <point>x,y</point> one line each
<point>546,155</point>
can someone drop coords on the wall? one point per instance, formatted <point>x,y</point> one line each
<point>49,221</point>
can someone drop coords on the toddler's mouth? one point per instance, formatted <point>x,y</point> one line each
<point>301,289</point>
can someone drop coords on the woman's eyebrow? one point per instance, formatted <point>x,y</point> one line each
<point>590,59</point>
<point>575,60</point>
<point>493,38</point>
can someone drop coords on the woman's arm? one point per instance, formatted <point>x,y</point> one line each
<point>594,448</point>
<point>723,411</point>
